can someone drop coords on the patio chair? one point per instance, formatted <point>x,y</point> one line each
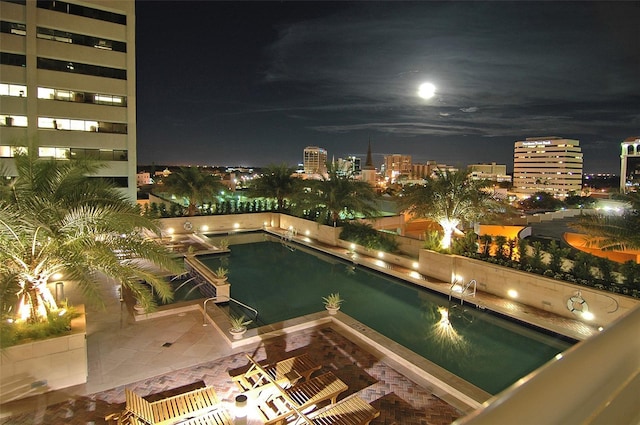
<point>350,411</point>
<point>192,404</point>
<point>285,372</point>
<point>276,407</point>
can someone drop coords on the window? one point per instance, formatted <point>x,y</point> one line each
<point>81,97</point>
<point>87,12</point>
<point>13,59</point>
<point>10,151</point>
<point>13,28</point>
<point>81,125</point>
<point>16,90</point>
<point>81,40</point>
<point>81,68</point>
<point>13,121</point>
<point>52,152</point>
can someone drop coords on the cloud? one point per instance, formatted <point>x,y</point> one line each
<point>470,109</point>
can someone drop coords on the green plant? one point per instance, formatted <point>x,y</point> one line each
<point>333,300</point>
<point>221,273</point>
<point>58,323</point>
<point>239,323</point>
<point>223,244</point>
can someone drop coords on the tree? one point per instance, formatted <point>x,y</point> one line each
<point>193,185</point>
<point>449,199</point>
<point>542,201</point>
<point>55,219</point>
<point>557,255</point>
<point>336,197</point>
<point>276,181</point>
<point>613,232</point>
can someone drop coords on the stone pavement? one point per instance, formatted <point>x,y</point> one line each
<point>400,401</point>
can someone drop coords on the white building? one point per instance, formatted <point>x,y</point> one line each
<point>630,164</point>
<point>315,161</point>
<point>547,164</point>
<point>493,172</point>
<point>68,80</point>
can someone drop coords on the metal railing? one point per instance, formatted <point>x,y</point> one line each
<point>225,299</point>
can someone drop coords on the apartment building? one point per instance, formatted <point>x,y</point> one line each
<point>396,166</point>
<point>547,164</point>
<point>68,81</point>
<point>492,172</point>
<point>315,161</point>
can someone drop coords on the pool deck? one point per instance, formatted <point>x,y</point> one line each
<point>160,355</point>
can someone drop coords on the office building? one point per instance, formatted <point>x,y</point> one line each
<point>68,81</point>
<point>492,172</point>
<point>630,165</point>
<point>396,167</point>
<point>547,164</point>
<point>315,161</point>
<point>421,171</point>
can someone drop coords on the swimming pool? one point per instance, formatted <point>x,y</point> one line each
<point>488,351</point>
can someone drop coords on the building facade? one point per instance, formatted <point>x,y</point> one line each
<point>547,164</point>
<point>493,172</point>
<point>315,160</point>
<point>68,81</point>
<point>630,165</point>
<point>396,166</point>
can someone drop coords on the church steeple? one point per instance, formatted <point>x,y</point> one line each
<point>369,164</point>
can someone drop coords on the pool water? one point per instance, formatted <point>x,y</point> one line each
<point>486,350</point>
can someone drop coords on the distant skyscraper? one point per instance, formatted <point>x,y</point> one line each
<point>397,165</point>
<point>315,160</point>
<point>68,78</point>
<point>547,164</point>
<point>630,164</point>
<point>348,166</point>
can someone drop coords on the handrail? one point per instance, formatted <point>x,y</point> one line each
<point>464,289</point>
<point>223,299</point>
<point>579,386</point>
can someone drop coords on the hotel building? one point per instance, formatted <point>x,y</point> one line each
<point>315,161</point>
<point>492,172</point>
<point>547,164</point>
<point>630,165</point>
<point>68,81</point>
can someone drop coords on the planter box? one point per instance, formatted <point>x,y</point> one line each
<point>41,366</point>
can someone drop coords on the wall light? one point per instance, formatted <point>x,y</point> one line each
<point>204,228</point>
<point>415,265</point>
<point>380,254</point>
<point>587,315</point>
<point>353,247</point>
<point>171,230</point>
<point>512,293</point>
<point>56,276</point>
<point>236,225</point>
<point>306,232</point>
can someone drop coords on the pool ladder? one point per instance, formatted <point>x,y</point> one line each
<point>225,299</point>
<point>463,290</point>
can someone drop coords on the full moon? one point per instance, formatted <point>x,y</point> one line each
<point>426,90</point>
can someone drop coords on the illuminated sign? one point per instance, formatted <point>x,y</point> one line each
<point>536,143</point>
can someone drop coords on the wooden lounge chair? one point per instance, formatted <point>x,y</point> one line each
<point>215,417</point>
<point>276,407</point>
<point>350,411</point>
<point>285,372</point>
<point>169,410</point>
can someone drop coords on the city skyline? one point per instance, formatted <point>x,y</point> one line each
<point>247,83</point>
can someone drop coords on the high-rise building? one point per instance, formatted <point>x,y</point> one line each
<point>428,169</point>
<point>397,165</point>
<point>350,165</point>
<point>315,160</point>
<point>68,80</point>
<point>547,164</point>
<point>630,164</point>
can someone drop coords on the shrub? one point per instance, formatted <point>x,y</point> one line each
<point>12,333</point>
<point>365,235</point>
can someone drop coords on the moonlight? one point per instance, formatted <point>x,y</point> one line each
<point>426,90</point>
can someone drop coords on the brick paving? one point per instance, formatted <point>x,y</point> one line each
<point>400,401</point>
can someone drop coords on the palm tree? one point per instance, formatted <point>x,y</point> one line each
<point>276,181</point>
<point>613,232</point>
<point>448,198</point>
<point>194,185</point>
<point>55,219</point>
<point>337,196</point>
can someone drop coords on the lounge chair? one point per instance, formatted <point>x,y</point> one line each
<point>276,407</point>
<point>285,372</point>
<point>169,410</point>
<point>350,411</point>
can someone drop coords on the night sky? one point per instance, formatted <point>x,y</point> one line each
<point>253,83</point>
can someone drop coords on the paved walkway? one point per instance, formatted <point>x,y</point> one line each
<point>173,353</point>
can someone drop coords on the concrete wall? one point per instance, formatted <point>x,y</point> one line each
<point>219,223</point>
<point>40,366</point>
<point>532,289</point>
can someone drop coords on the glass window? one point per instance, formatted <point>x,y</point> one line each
<point>13,121</point>
<point>16,90</point>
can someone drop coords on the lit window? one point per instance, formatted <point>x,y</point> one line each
<point>15,90</point>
